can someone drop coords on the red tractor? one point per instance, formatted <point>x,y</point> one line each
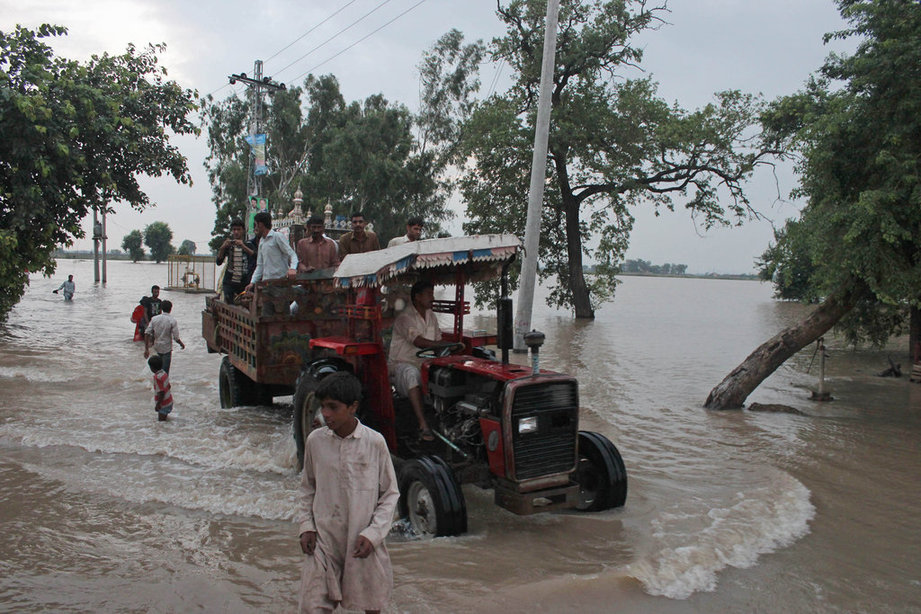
<point>498,425</point>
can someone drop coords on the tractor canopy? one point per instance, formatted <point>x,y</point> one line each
<point>481,258</point>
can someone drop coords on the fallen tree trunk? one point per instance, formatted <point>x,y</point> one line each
<point>735,387</point>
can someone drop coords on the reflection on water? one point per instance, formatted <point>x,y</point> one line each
<point>107,510</point>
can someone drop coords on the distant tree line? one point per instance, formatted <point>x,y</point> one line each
<point>644,266</point>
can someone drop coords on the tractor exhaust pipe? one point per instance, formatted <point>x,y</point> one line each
<point>534,340</point>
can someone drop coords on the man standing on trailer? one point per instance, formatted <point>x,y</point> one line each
<point>274,258</point>
<point>360,240</point>
<point>316,251</point>
<point>413,232</point>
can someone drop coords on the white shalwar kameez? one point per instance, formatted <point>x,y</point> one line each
<point>348,488</point>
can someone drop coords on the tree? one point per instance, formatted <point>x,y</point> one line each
<point>186,248</point>
<point>76,137</point>
<point>360,155</point>
<point>613,144</point>
<point>856,247</point>
<point>157,237</point>
<point>132,243</point>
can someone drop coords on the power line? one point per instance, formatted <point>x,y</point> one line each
<point>311,30</point>
<point>495,79</point>
<point>348,27</point>
<point>332,57</point>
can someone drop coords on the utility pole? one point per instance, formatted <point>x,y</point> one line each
<point>99,235</point>
<point>257,85</point>
<point>538,171</point>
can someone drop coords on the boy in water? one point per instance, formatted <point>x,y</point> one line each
<point>163,398</point>
<point>348,496</point>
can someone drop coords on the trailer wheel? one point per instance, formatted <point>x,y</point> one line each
<point>430,498</point>
<point>601,474</point>
<point>306,413</point>
<point>234,387</point>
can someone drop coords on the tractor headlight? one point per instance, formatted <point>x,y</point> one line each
<point>527,425</point>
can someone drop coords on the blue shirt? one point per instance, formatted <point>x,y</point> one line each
<point>274,257</point>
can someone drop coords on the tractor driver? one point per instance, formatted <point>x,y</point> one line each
<point>414,329</point>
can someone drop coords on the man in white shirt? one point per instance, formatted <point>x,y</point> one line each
<point>160,332</point>
<point>69,287</point>
<point>275,258</point>
<point>413,232</point>
<point>416,328</point>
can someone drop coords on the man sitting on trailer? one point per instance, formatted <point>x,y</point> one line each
<point>414,329</point>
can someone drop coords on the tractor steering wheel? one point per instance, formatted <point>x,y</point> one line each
<point>440,351</point>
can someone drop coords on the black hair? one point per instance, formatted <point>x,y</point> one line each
<point>342,386</point>
<point>263,218</point>
<point>419,287</point>
<point>155,362</point>
<point>154,287</point>
<point>314,219</point>
<point>415,221</point>
<point>357,214</point>
<point>237,222</point>
<point>166,306</point>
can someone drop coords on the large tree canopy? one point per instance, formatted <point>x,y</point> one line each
<point>133,244</point>
<point>856,131</point>
<point>613,144</point>
<point>76,136</point>
<point>359,155</point>
<point>158,237</point>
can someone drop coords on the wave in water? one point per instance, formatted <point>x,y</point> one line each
<point>757,522</point>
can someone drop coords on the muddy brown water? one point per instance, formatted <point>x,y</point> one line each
<point>105,510</point>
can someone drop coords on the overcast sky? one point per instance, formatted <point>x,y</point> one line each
<point>758,46</point>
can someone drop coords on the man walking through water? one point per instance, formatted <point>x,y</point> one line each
<point>151,305</point>
<point>69,287</point>
<point>161,332</point>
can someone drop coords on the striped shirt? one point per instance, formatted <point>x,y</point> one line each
<point>161,385</point>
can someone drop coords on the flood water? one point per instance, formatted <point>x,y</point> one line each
<point>104,509</point>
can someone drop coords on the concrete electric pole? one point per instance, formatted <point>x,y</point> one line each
<point>538,172</point>
<point>257,86</point>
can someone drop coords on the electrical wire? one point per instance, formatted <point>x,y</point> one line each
<point>332,57</point>
<point>347,4</point>
<point>348,27</point>
<point>495,79</point>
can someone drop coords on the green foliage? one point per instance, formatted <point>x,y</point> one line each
<point>614,144</point>
<point>856,129</point>
<point>76,136</point>
<point>360,155</point>
<point>448,78</point>
<point>132,243</point>
<point>186,248</point>
<point>157,236</point>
